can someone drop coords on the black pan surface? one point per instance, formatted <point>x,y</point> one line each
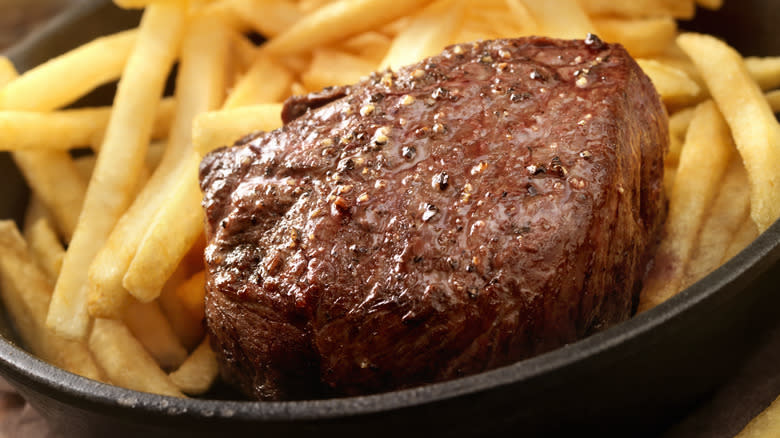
<point>631,380</point>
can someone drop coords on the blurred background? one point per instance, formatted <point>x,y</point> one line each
<point>19,17</point>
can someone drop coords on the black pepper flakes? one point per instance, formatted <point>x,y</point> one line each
<point>441,181</point>
<point>594,42</point>
<point>439,93</point>
<point>430,211</point>
<point>557,167</point>
<point>346,164</point>
<point>408,152</point>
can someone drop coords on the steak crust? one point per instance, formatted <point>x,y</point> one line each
<point>482,206</point>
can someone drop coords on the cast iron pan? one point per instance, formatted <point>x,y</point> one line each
<point>631,380</point>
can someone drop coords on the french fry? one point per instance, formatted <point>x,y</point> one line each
<point>192,293</point>
<point>69,129</point>
<point>642,37</point>
<point>189,329</point>
<point>710,4</point>
<point>7,71</point>
<point>680,121</point>
<point>729,210</point>
<point>370,45</point>
<point>766,424</point>
<point>522,16</point>
<point>198,372</point>
<point>201,83</point>
<point>705,155</point>
<point>752,122</point>
<point>773,98</point>
<point>148,324</point>
<point>35,211</point>
<point>160,251</point>
<point>675,148</point>
<point>120,161</point>
<point>267,81</point>
<point>45,247</point>
<point>765,71</point>
<point>670,173</point>
<point>115,348</point>
<point>674,86</point>
<point>26,291</point>
<point>338,20</point>
<point>307,6</point>
<point>268,17</point>
<point>641,8</point>
<point>561,18</point>
<point>56,181</point>
<point>95,63</point>
<point>427,33</point>
<point>746,233</point>
<point>221,128</point>
<point>332,67</point>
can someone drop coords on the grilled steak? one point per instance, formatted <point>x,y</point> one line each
<point>482,206</point>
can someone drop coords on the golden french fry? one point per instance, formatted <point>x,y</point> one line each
<point>62,130</point>
<point>710,4</point>
<point>148,324</point>
<point>7,71</point>
<point>26,291</point>
<point>120,161</point>
<point>522,16</point>
<point>56,181</point>
<point>370,45</point>
<point>160,251</point>
<point>189,329</point>
<point>125,360</point>
<point>34,212</point>
<point>764,425</point>
<point>752,122</point>
<point>307,6</point>
<point>64,79</point>
<point>705,155</point>
<point>141,4</point>
<point>242,53</point>
<point>773,98</point>
<point>641,8</point>
<point>222,128</point>
<point>680,121</point>
<point>560,18</point>
<point>267,81</point>
<point>642,37</point>
<point>493,19</point>
<point>192,293</point>
<point>45,247</point>
<point>201,83</point>
<point>674,85</point>
<point>729,210</point>
<point>268,17</point>
<point>746,233</point>
<point>338,20</point>
<point>198,372</point>
<point>670,173</point>
<point>426,34</point>
<point>765,71</point>
<point>675,148</point>
<point>332,67</point>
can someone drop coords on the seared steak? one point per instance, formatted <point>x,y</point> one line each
<point>482,206</point>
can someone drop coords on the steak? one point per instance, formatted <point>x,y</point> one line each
<point>485,205</point>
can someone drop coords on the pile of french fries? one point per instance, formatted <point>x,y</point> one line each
<point>124,302</point>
